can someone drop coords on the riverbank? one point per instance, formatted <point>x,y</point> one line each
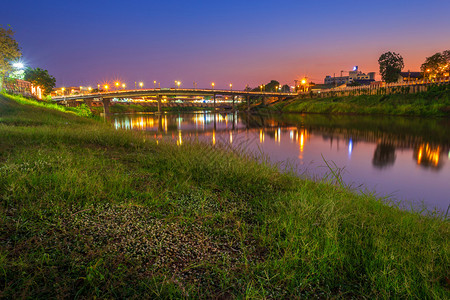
<point>433,103</point>
<point>90,211</point>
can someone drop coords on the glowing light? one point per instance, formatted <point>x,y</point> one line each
<point>116,83</point>
<point>350,147</point>
<point>213,84</point>
<point>231,137</point>
<point>141,84</point>
<point>302,142</point>
<point>303,81</point>
<point>124,85</point>
<point>106,86</point>
<point>261,136</point>
<point>214,137</point>
<point>18,65</point>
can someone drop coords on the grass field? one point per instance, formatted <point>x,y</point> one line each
<point>89,211</point>
<point>435,102</point>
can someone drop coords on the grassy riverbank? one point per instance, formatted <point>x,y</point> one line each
<point>435,102</point>
<point>89,211</point>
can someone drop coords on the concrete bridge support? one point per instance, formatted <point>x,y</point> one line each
<point>214,102</point>
<point>234,106</point>
<point>248,103</point>
<point>159,103</point>
<point>263,100</point>
<point>106,104</point>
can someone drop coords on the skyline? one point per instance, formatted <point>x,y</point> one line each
<point>241,43</point>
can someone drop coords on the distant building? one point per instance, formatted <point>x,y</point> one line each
<point>354,76</point>
<point>409,76</point>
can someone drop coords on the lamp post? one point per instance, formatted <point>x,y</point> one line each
<point>124,85</point>
<point>231,87</point>
<point>154,84</point>
<point>141,84</point>
<point>213,84</point>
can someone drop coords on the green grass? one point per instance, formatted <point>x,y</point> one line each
<point>88,211</point>
<point>435,102</point>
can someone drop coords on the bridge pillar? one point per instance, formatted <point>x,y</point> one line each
<point>106,103</point>
<point>264,100</point>
<point>214,101</point>
<point>248,103</point>
<point>234,107</point>
<point>159,103</point>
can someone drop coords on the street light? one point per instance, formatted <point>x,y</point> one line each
<point>213,84</point>
<point>123,85</point>
<point>154,84</point>
<point>141,84</point>
<point>62,90</point>
<point>117,84</point>
<point>231,86</point>
<point>106,87</point>
<point>89,89</point>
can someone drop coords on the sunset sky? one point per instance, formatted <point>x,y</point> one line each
<point>242,42</point>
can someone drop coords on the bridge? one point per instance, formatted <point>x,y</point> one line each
<point>158,94</point>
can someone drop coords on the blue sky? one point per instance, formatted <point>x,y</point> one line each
<point>251,42</point>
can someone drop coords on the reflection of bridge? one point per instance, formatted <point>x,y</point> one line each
<point>159,94</point>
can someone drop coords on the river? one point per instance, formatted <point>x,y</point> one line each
<point>405,159</point>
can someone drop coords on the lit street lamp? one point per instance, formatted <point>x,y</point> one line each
<point>124,85</point>
<point>231,86</point>
<point>154,84</point>
<point>106,87</point>
<point>213,84</point>
<point>141,84</point>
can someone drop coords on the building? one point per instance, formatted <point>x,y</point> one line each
<point>354,76</point>
<point>410,76</point>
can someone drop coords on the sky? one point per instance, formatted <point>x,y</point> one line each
<point>239,42</point>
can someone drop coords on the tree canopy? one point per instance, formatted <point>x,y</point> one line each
<point>40,77</point>
<point>437,65</point>
<point>391,64</point>
<point>9,51</point>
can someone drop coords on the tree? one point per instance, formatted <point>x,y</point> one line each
<point>437,65</point>
<point>40,77</point>
<point>9,51</point>
<point>391,64</point>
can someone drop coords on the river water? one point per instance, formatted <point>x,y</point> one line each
<point>406,159</point>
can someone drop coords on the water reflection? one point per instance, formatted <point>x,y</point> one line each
<point>388,154</point>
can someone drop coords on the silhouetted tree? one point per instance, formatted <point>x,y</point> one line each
<point>40,77</point>
<point>9,51</point>
<point>391,64</point>
<point>437,65</point>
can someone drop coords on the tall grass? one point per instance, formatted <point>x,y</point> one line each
<point>88,211</point>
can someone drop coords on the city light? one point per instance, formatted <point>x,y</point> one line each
<point>213,84</point>
<point>18,65</point>
<point>106,87</point>
<point>141,84</point>
<point>124,85</point>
